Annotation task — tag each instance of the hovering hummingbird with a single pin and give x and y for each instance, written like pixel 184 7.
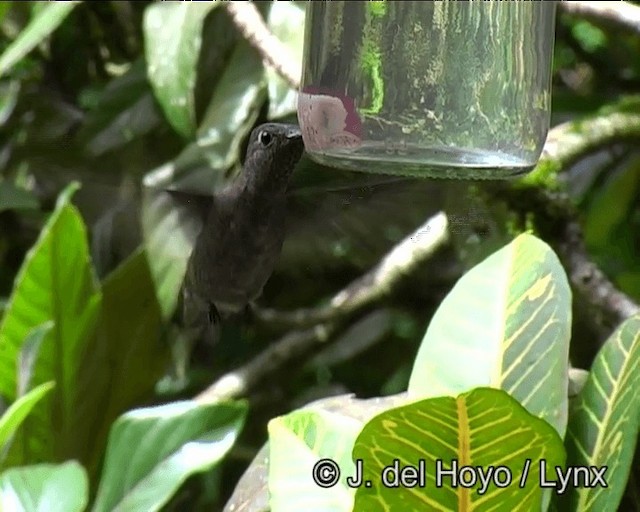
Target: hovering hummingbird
pixel 243 232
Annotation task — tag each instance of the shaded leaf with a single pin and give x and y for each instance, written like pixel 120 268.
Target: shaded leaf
pixel 9 91
pixel 16 198
pixel 29 355
pixel 170 229
pixel 161 447
pixel 121 368
pixel 125 110
pixel 56 283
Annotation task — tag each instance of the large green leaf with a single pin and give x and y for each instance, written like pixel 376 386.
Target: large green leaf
pixel 56 283
pixel 152 451
pixel 485 430
pixel 19 410
pixel 604 421
pixel 47 19
pixel 44 487
pixel 506 324
pixel 173 36
pixel 127 358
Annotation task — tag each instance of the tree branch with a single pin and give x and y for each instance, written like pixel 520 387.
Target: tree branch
pixel 623 15
pixel 372 286
pixel 247 19
pixel 569 142
pixel 404 257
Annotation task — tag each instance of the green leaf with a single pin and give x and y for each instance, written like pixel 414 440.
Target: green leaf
pixel 56 283
pixel 234 107
pixel 152 451
pixel 507 321
pixel 128 338
pixel 605 420
pixel 19 410
pixel 173 36
pixel 44 487
pixel 48 18
pixel 483 430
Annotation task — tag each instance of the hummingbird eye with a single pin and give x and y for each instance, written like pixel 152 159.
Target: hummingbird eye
pixel 264 138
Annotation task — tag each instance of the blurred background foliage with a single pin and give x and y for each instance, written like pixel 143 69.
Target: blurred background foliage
pixel 131 99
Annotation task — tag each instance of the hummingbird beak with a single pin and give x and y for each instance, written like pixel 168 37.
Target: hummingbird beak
pixel 293 132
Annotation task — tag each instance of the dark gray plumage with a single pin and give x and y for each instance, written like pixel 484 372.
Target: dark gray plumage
pixel 241 239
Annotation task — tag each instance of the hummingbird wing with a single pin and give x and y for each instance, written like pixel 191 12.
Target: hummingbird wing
pixel 354 218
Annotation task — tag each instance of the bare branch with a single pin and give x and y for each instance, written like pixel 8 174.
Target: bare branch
pixel 403 258
pixel 247 19
pixel 372 286
pixel 291 346
pixel 569 142
pixel 623 15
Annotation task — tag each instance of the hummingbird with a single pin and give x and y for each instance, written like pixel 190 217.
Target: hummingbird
pixel 241 239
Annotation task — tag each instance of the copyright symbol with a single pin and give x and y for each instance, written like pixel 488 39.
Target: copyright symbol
pixel 326 473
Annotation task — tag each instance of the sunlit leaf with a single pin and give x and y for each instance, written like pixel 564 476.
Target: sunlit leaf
pixel 324 429
pixel 604 422
pixel 484 430
pixel 173 36
pixel 506 324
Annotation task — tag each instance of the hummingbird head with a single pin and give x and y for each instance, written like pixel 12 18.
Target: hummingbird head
pixel 273 151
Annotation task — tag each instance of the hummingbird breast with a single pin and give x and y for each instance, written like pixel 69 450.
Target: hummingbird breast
pixel 236 251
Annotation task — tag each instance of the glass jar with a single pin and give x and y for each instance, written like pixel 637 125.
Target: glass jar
pixel 440 89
